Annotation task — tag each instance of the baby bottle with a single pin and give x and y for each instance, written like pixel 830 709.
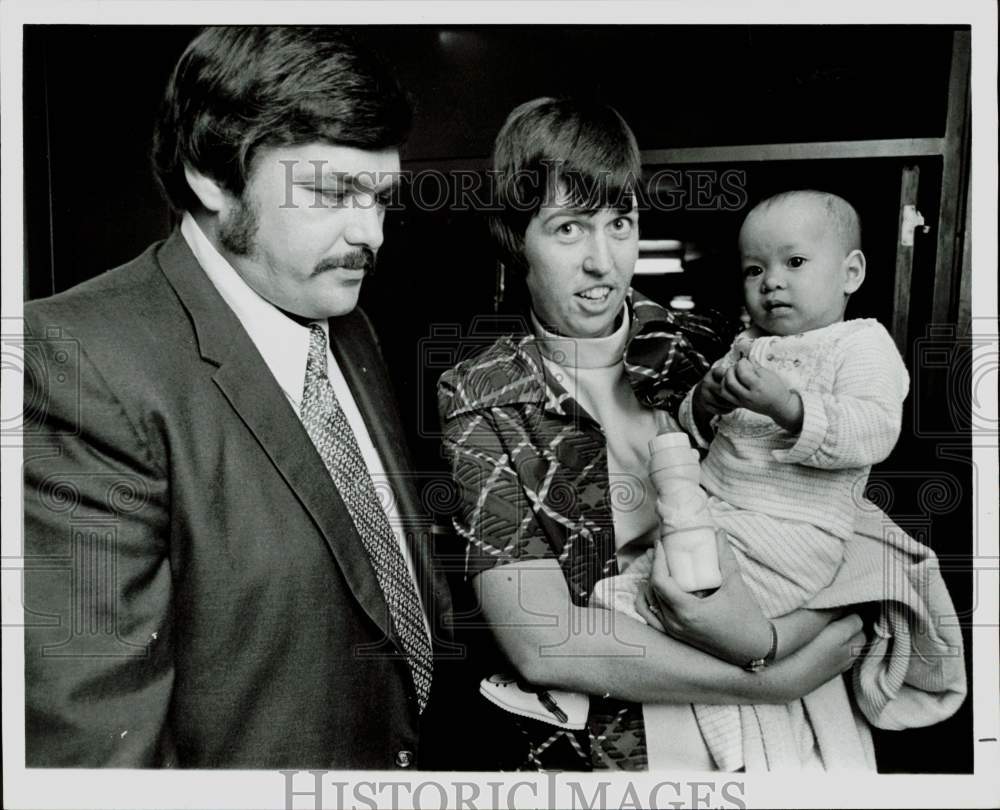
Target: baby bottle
pixel 687 530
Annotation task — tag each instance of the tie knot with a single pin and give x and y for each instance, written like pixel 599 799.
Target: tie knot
pixel 317 349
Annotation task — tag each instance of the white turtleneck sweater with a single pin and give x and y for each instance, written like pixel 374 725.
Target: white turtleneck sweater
pixel 592 370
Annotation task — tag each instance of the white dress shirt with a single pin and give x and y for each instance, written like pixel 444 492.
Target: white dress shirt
pixel 284 345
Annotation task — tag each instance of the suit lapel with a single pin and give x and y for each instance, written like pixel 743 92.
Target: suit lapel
pixel 353 345
pixel 248 385
pixel 353 348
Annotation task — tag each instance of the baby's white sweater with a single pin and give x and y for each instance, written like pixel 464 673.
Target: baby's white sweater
pixel 852 381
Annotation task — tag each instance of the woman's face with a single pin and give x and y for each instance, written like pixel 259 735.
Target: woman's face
pixel 580 265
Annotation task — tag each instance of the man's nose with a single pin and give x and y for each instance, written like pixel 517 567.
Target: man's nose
pixel 598 260
pixel 365 226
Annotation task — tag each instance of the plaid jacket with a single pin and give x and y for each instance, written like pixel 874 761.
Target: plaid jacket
pixel 531 464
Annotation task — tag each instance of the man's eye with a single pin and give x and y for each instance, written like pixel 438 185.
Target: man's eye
pixel 568 229
pixel 333 197
pixel 384 198
pixel 796 261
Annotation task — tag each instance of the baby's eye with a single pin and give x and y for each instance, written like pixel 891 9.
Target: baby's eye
pixel 796 261
pixel 751 271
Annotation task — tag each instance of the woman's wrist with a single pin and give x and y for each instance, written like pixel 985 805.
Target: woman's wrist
pixel 798 628
pixel 761 662
pixel 756 644
pixel 748 644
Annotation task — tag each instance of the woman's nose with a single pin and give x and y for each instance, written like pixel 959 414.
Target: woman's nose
pixel 598 259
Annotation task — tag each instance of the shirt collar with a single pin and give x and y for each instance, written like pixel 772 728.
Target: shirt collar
pixel 584 353
pixel 660 362
pixel 282 343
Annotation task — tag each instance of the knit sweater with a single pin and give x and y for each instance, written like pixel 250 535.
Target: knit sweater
pixel 852 382
pixel 786 502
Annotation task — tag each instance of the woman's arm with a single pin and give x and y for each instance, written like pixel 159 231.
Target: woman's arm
pixel 728 624
pixel 551 642
pixel 798 628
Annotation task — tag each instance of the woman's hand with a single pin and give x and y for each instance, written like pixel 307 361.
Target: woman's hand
pixel 728 624
pixel 828 655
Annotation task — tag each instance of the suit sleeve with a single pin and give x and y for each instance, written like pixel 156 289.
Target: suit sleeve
pixel 97 579
pixel 857 424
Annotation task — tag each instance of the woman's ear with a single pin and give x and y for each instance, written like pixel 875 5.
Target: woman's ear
pixel 210 194
pixel 854 267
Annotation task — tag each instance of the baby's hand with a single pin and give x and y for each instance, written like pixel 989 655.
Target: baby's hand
pixel 762 391
pixel 709 395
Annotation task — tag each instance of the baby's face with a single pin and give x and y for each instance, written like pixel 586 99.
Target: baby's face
pixel 796 274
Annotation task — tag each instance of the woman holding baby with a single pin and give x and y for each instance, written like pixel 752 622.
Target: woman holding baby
pixel 548 436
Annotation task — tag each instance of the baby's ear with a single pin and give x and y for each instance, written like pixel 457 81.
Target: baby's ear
pixel 854 267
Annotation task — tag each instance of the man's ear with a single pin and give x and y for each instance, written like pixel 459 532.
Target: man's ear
pixel 208 191
pixel 854 267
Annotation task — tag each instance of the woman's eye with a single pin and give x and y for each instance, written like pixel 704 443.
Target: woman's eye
pixel 622 225
pixel 796 261
pixel 568 229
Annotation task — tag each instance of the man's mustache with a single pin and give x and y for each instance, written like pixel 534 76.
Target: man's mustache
pixel 361 259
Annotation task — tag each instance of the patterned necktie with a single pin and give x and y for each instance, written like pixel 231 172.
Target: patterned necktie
pixel 330 432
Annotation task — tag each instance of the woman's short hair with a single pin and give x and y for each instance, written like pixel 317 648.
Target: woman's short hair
pixel 548 148
pixel 238 89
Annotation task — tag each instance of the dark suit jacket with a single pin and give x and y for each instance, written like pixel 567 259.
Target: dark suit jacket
pixel 196 593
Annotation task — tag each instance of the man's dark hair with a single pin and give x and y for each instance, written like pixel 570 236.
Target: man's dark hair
pixel 238 89
pixel 548 148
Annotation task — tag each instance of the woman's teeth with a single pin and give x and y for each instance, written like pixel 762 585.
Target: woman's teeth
pixel 595 293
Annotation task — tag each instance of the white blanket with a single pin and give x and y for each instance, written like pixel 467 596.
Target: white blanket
pixel 911 674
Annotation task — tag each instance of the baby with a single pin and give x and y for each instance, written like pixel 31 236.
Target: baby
pixel 803 404
pixel 801 407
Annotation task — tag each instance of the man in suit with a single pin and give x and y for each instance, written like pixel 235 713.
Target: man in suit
pixel 217 503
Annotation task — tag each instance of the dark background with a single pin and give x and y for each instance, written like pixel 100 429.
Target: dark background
pixel 91 93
